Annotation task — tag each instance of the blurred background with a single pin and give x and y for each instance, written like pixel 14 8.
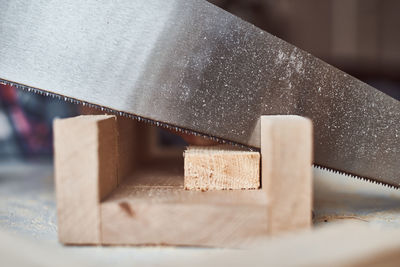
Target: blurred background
pixel 361 37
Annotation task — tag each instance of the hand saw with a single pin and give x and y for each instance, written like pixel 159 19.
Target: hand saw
pixel 190 66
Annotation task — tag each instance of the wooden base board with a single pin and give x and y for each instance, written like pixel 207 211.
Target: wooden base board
pixel 153 208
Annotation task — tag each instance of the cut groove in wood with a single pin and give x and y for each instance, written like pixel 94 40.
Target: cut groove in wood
pixel 221 168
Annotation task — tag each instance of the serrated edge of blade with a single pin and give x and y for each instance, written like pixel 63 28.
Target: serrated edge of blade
pixel 72 100
pixel 354 176
pixel 172 127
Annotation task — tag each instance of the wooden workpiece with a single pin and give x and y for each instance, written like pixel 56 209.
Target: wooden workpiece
pixel 104 196
pixel 85 159
pixel 221 168
pixel 155 209
pixel 286 149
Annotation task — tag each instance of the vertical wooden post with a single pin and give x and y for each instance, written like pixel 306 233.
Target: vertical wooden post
pixel 85 160
pixel 286 176
pixel 127 147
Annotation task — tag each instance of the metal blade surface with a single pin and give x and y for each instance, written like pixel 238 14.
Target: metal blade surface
pixel 192 65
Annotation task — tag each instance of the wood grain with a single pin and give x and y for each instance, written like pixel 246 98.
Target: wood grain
pixel 127 147
pixel 100 203
pixel 85 159
pixel 221 168
pixel 156 210
pixel 286 149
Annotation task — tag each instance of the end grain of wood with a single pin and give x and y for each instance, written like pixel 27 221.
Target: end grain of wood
pixel 221 168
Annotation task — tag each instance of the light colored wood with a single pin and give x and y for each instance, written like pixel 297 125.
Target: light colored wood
pixel 286 149
pixel 85 158
pixel 127 147
pixel 128 133
pixel 96 205
pixel 152 208
pixel 221 168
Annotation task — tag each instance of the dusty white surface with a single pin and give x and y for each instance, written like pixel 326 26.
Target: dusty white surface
pixel 28 228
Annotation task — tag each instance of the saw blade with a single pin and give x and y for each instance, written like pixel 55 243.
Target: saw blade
pixel 191 65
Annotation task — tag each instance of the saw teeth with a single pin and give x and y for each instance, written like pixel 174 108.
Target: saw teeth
pixel 172 127
pixel 120 113
pixel 370 180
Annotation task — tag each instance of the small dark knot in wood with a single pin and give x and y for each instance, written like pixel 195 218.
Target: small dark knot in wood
pixel 127 209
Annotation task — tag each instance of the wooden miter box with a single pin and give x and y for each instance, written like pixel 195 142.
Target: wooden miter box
pixel 111 191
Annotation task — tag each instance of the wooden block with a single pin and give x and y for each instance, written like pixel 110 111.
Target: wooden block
pixel 153 208
pixel 85 158
pixel 96 205
pixel 221 167
pixel 286 151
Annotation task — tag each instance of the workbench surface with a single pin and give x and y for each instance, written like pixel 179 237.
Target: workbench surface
pixel 28 217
